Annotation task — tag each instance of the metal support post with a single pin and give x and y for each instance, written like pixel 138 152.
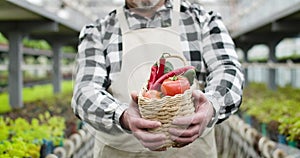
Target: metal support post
pixel 245 50
pixel 294 76
pixel 15 79
pixel 57 74
pixel 272 59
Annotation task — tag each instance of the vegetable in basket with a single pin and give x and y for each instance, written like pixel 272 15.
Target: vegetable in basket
pixel 178 84
pixel 175 85
pixel 176 72
pixel 152 94
pixel 190 75
pixel 158 70
pixel 161 69
pixel 152 78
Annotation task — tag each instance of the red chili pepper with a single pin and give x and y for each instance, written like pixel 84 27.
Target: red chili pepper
pixel 152 76
pixel 162 62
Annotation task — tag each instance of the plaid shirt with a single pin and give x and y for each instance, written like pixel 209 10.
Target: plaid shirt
pixel 206 45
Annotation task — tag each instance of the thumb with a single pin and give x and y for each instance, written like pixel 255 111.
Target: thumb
pixel 134 96
pixel 199 97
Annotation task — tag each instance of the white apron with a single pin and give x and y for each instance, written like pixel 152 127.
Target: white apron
pixel 141 48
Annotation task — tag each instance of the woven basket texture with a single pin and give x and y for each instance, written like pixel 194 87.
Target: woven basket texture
pixel 165 110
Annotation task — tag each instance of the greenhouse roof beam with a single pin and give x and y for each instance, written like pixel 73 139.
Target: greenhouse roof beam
pixel 28 26
pixel 30 11
pixel 65 39
pixel 286 26
pixel 264 37
pixel 265 16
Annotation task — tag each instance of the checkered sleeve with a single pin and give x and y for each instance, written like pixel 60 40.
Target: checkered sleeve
pixel 91 102
pixel 225 78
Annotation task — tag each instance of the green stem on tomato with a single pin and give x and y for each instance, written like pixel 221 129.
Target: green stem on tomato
pixel 174 78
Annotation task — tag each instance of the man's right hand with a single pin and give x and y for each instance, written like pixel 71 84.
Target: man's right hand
pixel 132 120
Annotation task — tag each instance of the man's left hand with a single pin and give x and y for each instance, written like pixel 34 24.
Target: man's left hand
pixel 195 123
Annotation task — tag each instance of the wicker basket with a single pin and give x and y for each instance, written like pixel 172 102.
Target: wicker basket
pixel 165 110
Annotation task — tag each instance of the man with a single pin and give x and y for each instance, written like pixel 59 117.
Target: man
pixel 112 56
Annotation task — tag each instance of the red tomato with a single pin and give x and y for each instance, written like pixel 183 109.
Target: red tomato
pixel 175 85
pixel 152 94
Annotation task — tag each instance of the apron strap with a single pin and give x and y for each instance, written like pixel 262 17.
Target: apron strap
pixel 175 17
pixel 176 5
pixel 122 20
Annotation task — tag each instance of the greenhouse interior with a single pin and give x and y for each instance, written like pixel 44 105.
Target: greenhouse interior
pixel 38 49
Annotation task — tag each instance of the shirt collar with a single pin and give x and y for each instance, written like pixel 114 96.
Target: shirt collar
pixel 160 19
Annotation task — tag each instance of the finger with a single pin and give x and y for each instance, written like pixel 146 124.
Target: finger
pixel 147 137
pixel 196 118
pixel 150 140
pixel 184 140
pixel 199 98
pixel 202 105
pixel 189 132
pixel 202 111
pixel 183 121
pixel 134 96
pixel 141 123
pixel 133 111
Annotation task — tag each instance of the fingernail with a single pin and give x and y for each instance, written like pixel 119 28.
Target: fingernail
pixel 158 124
pixel 173 138
pixel 175 121
pixel 164 136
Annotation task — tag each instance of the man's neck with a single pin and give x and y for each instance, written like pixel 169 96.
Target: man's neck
pixel 147 12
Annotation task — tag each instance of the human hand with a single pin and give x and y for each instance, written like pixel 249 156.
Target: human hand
pixel 132 120
pixel 195 123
